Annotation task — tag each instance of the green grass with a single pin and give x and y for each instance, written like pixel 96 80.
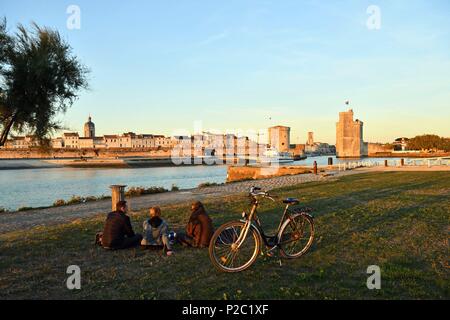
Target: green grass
pixel 398 221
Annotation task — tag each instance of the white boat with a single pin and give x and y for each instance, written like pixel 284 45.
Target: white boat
pixel 271 155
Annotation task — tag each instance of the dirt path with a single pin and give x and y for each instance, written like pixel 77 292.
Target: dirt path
pixel 58 215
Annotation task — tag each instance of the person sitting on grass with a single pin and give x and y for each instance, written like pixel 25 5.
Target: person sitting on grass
pixel 199 229
pixel 118 232
pixel 156 232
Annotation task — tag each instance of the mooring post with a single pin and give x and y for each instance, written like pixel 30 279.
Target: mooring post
pixel 117 194
pixel 330 161
pixel 385 163
pixel 402 162
pixel 315 167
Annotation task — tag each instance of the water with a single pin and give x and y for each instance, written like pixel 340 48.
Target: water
pixel 41 184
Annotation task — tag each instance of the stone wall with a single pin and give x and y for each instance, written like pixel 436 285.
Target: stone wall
pixel 36 153
pixel 237 173
pixel 375 148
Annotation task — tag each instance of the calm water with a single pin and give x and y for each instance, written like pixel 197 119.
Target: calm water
pixel 42 185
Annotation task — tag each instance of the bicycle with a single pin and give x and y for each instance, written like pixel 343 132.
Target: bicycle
pixel 235 245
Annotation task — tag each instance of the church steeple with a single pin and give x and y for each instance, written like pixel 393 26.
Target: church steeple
pixel 89 128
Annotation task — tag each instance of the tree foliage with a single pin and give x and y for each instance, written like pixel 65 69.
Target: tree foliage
pixel 429 142
pixel 39 78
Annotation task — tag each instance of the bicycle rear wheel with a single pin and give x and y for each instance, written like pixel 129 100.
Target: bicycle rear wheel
pixel 224 253
pixel 297 236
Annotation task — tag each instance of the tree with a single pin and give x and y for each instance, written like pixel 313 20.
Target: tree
pixel 39 78
pixel 429 142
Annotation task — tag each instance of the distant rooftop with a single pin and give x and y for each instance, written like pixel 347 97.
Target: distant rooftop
pixel 276 127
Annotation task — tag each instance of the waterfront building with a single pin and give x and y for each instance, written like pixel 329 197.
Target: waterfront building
pixel 162 141
pixel 71 140
pixel 297 150
pixel 279 138
pixel 19 143
pixel 379 148
pixel 142 141
pixel 99 143
pixel 221 144
pixel 85 143
pixel 57 143
pixel 349 137
pixel 9 144
pixel 111 140
pixel 401 144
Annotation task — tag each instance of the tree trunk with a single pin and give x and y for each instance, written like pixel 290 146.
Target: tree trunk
pixel 6 130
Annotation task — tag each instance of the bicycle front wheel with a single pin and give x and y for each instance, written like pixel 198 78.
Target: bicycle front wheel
pixel 224 252
pixel 297 236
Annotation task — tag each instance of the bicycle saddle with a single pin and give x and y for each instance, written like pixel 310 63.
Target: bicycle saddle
pixel 291 201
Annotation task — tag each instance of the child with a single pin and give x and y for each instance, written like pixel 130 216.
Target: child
pixel 156 231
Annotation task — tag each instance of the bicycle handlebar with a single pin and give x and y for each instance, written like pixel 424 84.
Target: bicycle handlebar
pixel 257 192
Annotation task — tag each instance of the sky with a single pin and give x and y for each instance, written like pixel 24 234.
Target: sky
pixel 164 66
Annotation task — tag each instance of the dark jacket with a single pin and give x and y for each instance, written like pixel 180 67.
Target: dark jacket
pixel 117 227
pixel 200 227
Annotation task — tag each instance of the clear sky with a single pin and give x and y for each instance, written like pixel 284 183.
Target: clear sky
pixel 158 66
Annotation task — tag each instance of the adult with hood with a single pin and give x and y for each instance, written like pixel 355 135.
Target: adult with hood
pixel 199 229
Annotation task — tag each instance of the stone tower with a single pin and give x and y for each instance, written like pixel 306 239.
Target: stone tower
pixel 349 137
pixel 310 141
pixel 89 129
pixel 279 138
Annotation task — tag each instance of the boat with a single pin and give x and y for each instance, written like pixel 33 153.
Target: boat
pixel 272 155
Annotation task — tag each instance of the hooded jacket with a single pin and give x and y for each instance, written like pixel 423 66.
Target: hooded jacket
pixel 200 226
pixel 156 232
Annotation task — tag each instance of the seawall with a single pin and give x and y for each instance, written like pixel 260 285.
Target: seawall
pixel 239 173
pixel 37 153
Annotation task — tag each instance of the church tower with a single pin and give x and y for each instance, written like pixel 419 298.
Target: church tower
pixel 89 129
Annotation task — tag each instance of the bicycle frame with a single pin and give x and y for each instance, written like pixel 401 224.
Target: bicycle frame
pixel 252 221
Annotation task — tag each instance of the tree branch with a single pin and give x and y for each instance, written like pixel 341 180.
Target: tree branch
pixel 6 129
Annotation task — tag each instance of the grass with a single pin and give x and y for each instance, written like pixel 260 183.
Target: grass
pixel 398 221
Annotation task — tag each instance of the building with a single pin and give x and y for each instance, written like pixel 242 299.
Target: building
pixel 219 144
pixel 89 129
pixel 161 141
pixel 57 143
pixel 297 150
pixel 379 148
pixel 401 144
pixel 318 148
pixel 111 141
pixel 310 141
pixel 349 137
pixel 279 138
pixel 71 140
pixel 85 143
